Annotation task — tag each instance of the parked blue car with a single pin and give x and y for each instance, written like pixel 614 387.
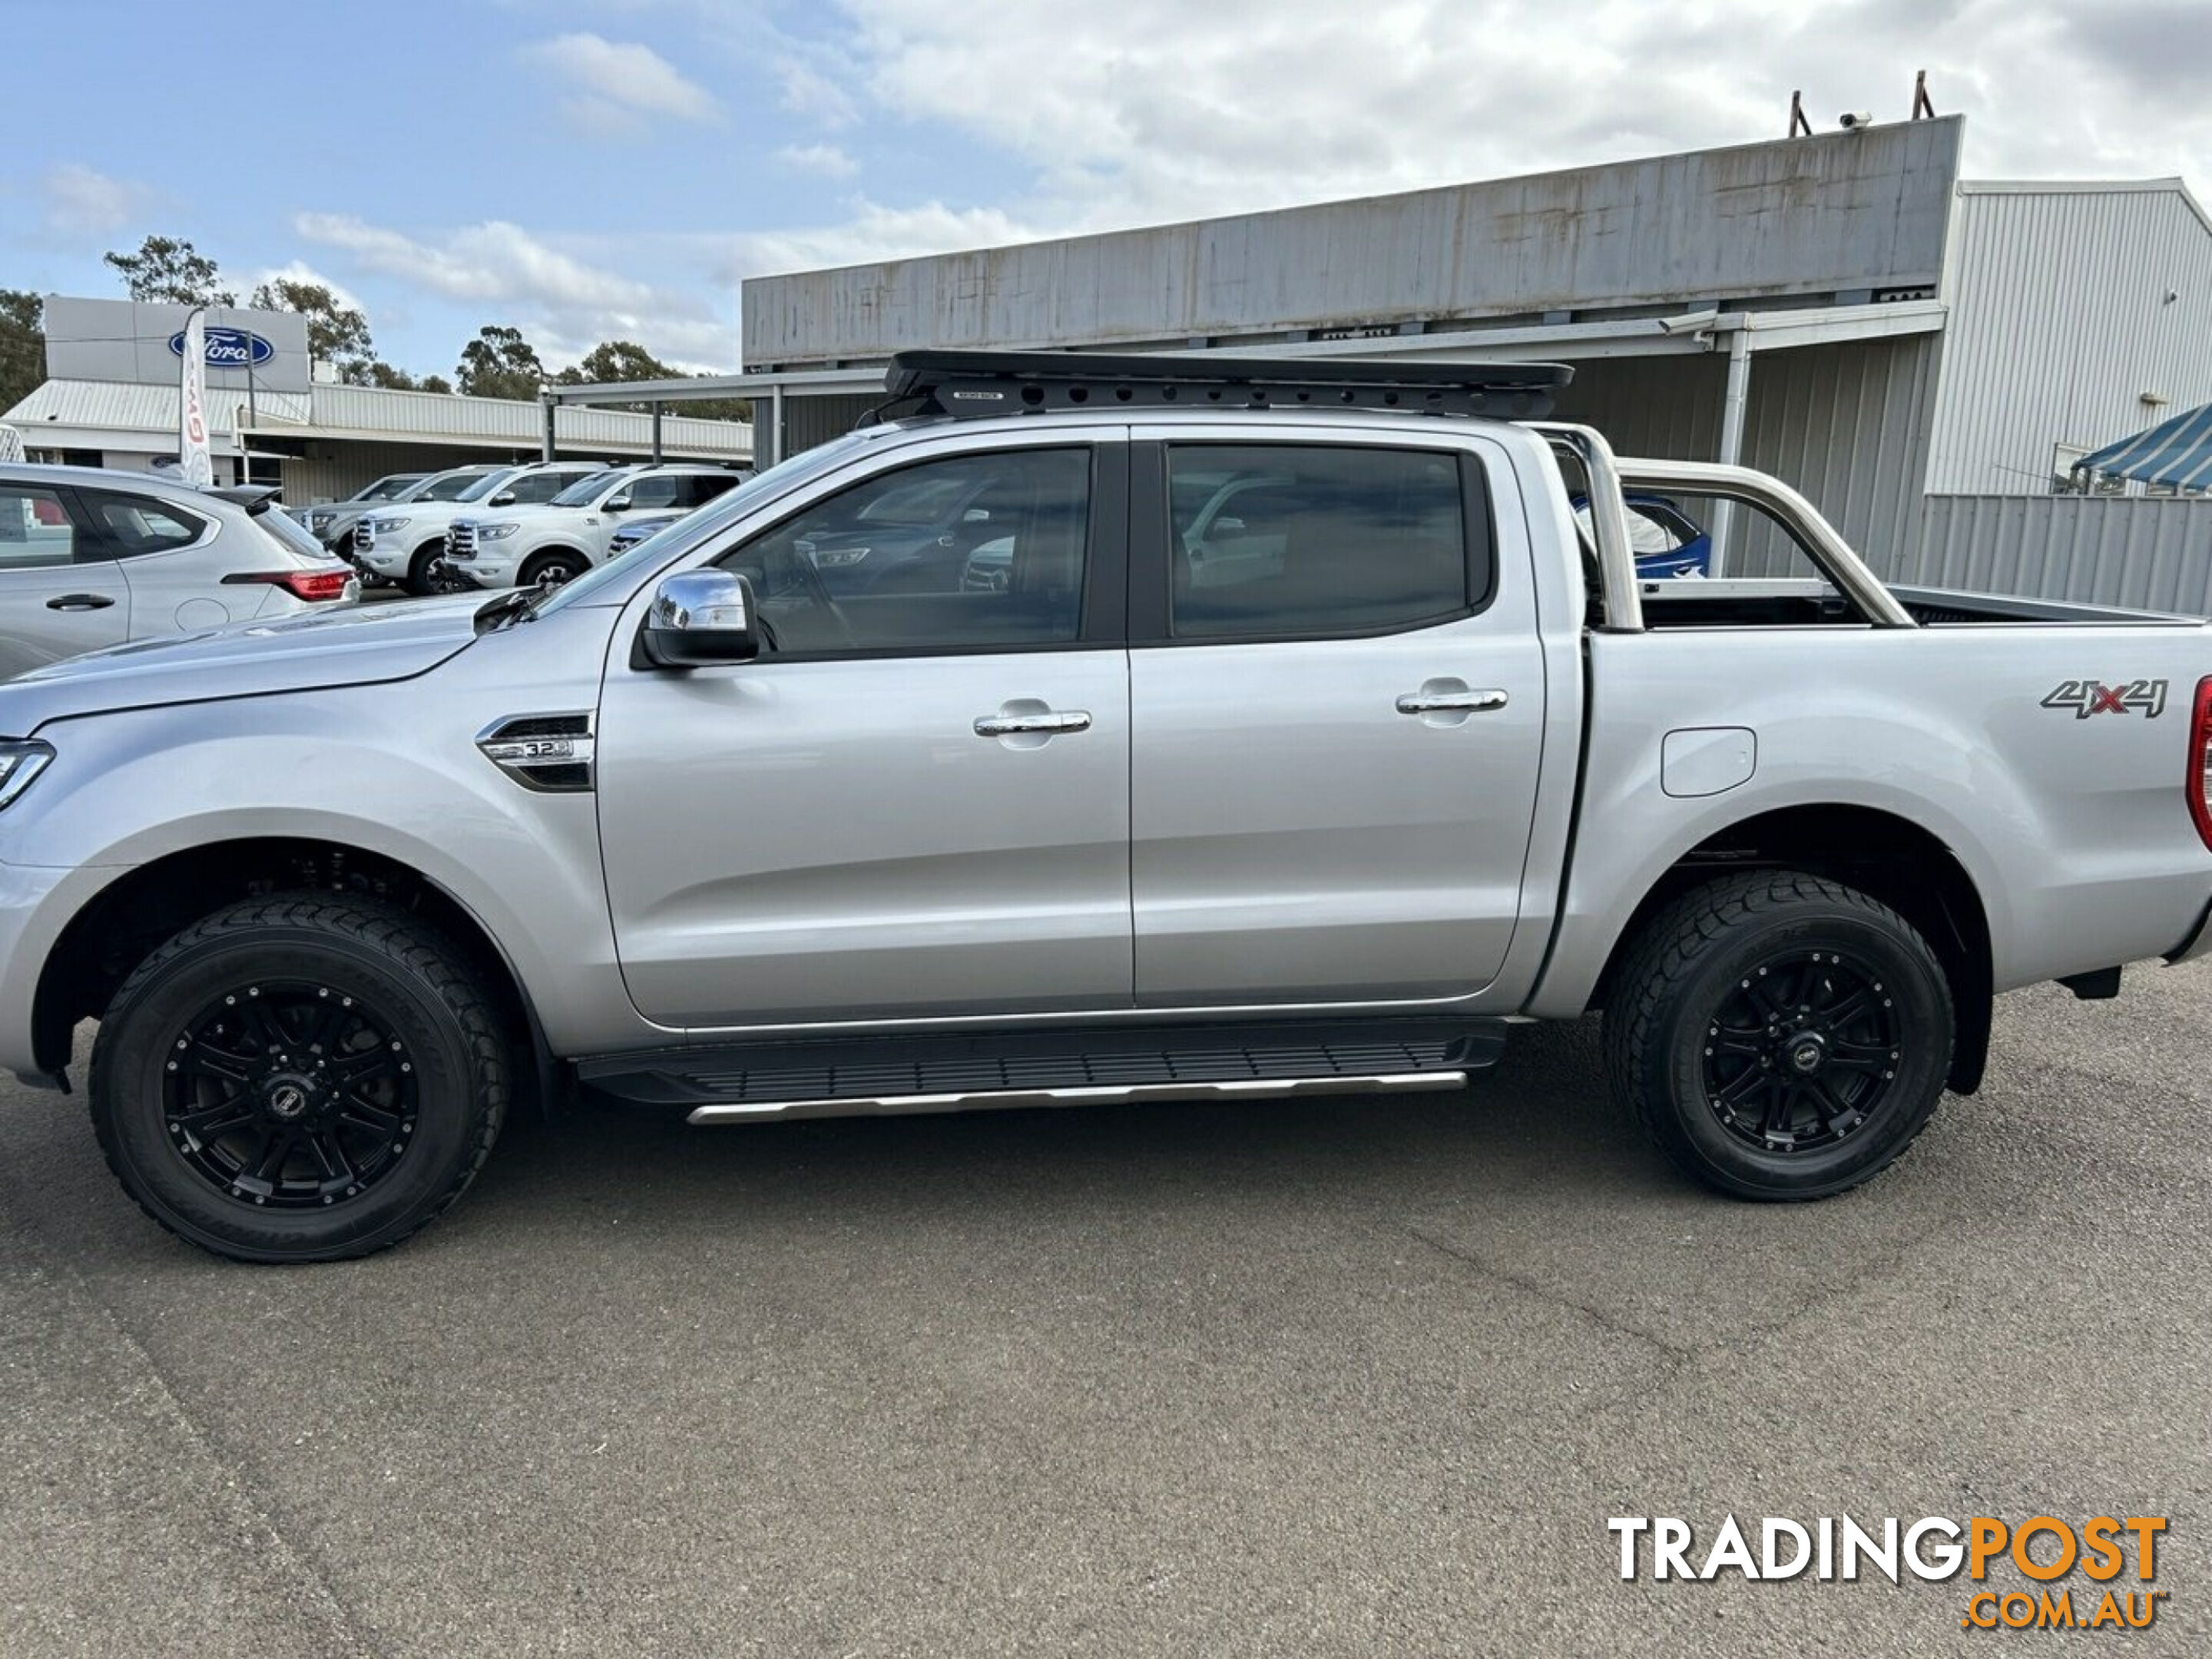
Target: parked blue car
pixel 1666 542
pixel 635 531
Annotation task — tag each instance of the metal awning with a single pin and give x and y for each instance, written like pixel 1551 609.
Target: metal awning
pixel 2176 452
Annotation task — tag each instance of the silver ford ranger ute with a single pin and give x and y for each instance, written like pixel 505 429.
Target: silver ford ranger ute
pixel 1094 728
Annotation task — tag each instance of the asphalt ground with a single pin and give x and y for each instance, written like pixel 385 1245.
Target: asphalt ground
pixel 1342 1377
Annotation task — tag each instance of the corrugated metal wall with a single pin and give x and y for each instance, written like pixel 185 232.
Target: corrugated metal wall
pixel 811 420
pixel 2152 554
pixel 2059 322
pixel 1824 214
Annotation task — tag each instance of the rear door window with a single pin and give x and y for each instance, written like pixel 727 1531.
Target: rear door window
pixel 658 491
pixel 702 486
pixel 1291 540
pixel 130 526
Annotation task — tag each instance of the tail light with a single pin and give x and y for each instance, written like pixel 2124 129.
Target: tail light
pixel 310 585
pixel 2199 785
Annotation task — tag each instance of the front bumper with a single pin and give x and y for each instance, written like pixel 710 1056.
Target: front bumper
pixel 494 572
pixel 386 561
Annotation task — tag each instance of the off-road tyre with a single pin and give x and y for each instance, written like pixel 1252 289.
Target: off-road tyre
pixel 406 1012
pixel 1715 1018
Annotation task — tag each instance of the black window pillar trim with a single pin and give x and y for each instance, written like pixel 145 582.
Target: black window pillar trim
pixel 1107 559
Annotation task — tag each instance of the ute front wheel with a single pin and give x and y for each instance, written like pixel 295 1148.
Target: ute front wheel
pixel 299 1079
pixel 1780 1036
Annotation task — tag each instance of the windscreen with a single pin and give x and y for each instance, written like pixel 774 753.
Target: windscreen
pixel 446 487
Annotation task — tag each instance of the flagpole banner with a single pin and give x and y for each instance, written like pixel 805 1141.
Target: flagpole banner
pixel 192 457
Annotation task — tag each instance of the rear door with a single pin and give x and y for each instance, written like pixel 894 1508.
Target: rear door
pixel 1336 713
pixel 173 561
pixel 59 596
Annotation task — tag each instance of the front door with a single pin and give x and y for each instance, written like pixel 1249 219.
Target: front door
pixel 916 802
pixel 61 592
pixel 1337 707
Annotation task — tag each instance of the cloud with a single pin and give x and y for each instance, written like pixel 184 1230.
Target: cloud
pixel 812 95
pixel 80 200
pixel 1155 110
pixel 826 160
pixel 566 304
pixel 619 86
pixel 872 232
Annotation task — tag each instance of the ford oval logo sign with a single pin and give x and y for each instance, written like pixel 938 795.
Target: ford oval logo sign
pixel 229 348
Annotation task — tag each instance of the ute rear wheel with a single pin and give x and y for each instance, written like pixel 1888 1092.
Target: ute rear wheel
pixel 1780 1036
pixel 299 1079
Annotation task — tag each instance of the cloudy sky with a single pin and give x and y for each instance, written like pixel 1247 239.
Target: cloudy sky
pixel 588 169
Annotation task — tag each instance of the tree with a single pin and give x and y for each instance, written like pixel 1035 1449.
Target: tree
pixel 377 372
pixel 337 334
pixel 174 271
pixel 500 363
pixel 614 361
pixel 22 346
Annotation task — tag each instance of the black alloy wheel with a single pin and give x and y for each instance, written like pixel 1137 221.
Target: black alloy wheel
pixel 1779 1034
pixel 291 1094
pixel 1802 1052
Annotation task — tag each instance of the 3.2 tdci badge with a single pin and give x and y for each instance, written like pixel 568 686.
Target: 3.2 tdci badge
pixel 2087 698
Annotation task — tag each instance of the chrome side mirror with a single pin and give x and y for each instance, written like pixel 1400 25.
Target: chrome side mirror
pixel 505 498
pixel 617 503
pixel 698 619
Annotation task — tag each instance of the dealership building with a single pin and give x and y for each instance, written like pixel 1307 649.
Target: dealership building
pixel 110 399
pixel 1924 356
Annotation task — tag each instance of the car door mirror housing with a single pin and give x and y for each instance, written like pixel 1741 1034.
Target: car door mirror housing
pixel 618 503
pixel 698 619
pixel 505 498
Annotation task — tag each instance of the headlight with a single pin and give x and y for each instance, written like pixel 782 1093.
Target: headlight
pixel 829 558
pixel 386 526
pixel 20 762
pixel 495 532
pixel 320 521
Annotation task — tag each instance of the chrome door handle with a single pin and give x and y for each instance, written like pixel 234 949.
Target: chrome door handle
pixel 79 602
pixel 1011 726
pixel 1442 702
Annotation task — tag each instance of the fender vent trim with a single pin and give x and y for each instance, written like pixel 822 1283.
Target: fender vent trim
pixel 552 754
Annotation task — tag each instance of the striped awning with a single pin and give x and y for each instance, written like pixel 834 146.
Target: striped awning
pixel 2177 453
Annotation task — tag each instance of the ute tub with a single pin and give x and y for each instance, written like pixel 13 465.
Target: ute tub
pixel 1748 602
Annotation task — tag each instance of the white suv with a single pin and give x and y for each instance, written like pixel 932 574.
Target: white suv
pixel 545 546
pixel 402 545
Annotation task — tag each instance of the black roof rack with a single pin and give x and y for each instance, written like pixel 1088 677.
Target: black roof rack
pixel 964 384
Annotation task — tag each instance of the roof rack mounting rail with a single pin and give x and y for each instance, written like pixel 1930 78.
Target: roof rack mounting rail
pixel 965 385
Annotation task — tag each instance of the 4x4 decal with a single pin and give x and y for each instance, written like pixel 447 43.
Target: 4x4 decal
pixel 2087 698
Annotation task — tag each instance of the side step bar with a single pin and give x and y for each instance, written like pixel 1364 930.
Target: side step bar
pixel 980 1070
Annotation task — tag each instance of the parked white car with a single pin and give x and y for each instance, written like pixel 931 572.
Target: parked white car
pixel 327 521
pixel 402 545
pixel 91 558
pixel 545 546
